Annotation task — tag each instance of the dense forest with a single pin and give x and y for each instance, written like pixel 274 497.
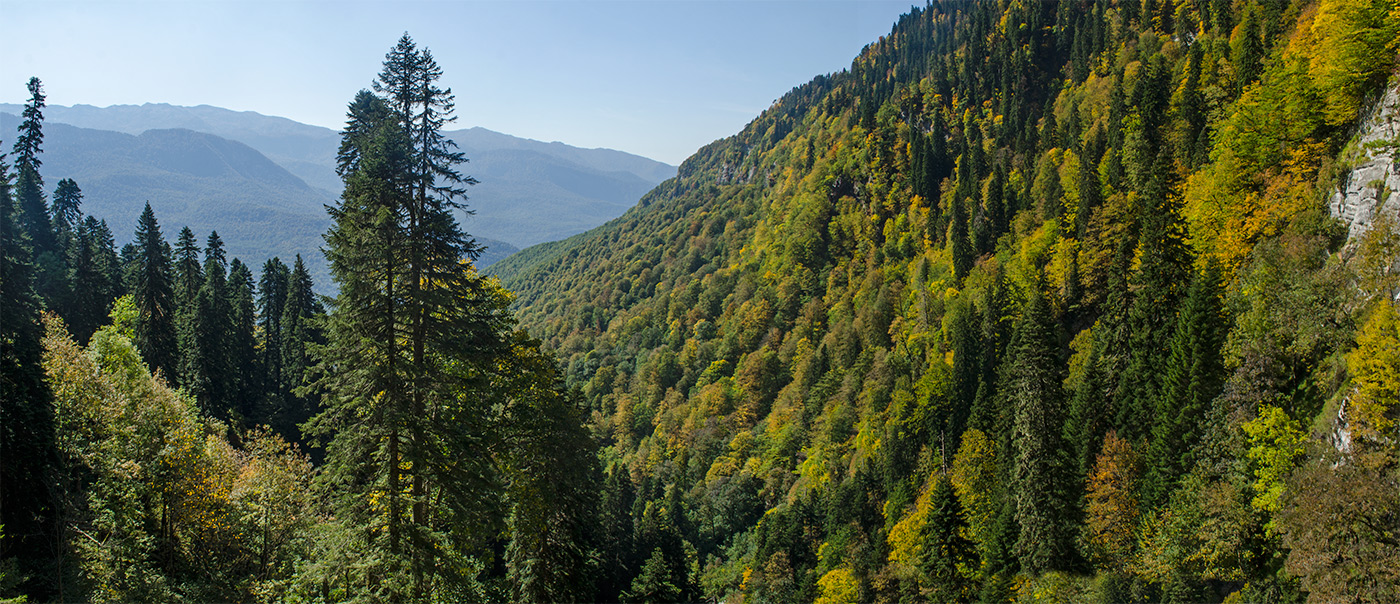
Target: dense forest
pixel 1035 302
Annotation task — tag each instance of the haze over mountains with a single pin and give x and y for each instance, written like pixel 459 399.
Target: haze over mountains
pixel 261 181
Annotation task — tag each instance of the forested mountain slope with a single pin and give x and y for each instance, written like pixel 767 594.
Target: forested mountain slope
pixel 1035 301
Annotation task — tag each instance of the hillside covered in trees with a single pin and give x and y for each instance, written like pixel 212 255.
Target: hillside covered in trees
pixel 1036 301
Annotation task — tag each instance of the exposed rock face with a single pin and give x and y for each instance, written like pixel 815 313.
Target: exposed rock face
pixel 1373 185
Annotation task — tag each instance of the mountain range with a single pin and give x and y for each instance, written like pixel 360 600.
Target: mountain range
pixel 262 181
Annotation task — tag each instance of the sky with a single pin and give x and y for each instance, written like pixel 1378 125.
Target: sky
pixel 655 78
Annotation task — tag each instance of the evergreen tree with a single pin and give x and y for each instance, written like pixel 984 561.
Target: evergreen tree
pixel 617 545
pixel 1195 375
pixel 205 369
pixel 300 331
pixel 94 264
pixel 29 185
pixel 411 323
pixel 1247 49
pixel 26 414
pixel 950 557
pixel 1088 417
pixel 967 369
pixel 155 304
pixel 272 299
pixel 959 245
pixel 67 205
pixel 1045 541
pixel 189 272
pixel 1164 264
pixel 242 349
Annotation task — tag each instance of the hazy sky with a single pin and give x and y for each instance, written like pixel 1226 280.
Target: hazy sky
pixel 656 78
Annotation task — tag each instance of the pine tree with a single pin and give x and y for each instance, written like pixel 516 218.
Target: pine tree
pixel 1045 541
pixel 155 304
pixel 1195 375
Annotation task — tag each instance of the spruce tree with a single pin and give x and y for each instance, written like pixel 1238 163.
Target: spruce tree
pixel 1046 541
pixel 155 304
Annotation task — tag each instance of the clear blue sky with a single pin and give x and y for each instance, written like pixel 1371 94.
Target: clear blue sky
pixel 658 79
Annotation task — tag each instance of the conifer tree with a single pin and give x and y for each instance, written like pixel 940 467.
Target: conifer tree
pixel 94 265
pixel 1088 418
pixel 67 205
pixel 155 304
pixel 206 369
pixel 411 321
pixel 1194 376
pixel 1164 260
pixel 967 369
pixel 959 243
pixel 299 331
pixel 189 272
pixel 29 185
pixel 26 415
pixel 272 299
pixel 242 352
pixel 949 556
pixel 1247 49
pixel 1045 541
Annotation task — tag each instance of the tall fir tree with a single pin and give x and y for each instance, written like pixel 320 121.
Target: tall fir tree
pixel 29 184
pixel 1164 264
pixel 272 299
pixel 155 303
pixel 26 413
pixel 950 557
pixel 1194 376
pixel 244 386
pixel 1046 537
pixel 300 330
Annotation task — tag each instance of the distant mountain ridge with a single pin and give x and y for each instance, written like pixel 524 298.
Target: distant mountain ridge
pixel 530 191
